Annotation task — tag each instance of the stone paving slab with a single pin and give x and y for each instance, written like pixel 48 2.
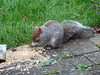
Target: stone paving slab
pixel 80 46
pixel 58 52
pixel 80 72
pixel 96 70
pixel 12 72
pixel 32 71
pixel 63 67
pixel 96 39
pixel 80 60
pixel 94 57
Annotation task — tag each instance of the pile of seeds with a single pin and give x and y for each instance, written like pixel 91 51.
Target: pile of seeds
pixel 20 58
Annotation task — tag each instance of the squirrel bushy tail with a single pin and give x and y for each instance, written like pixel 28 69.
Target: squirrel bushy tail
pixel 73 29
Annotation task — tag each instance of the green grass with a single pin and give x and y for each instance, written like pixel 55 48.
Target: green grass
pixel 16 31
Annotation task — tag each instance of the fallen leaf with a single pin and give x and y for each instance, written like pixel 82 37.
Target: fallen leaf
pixel 25 18
pixel 95 29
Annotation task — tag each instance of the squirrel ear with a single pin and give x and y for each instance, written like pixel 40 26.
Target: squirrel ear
pixel 35 26
pixel 39 30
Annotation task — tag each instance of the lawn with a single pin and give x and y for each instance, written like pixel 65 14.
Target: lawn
pixel 18 17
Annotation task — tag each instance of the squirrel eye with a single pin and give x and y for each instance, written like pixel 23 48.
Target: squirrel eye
pixel 35 35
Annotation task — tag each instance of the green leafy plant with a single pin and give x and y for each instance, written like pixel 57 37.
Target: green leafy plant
pixel 41 62
pixel 88 69
pixel 63 56
pixel 56 72
pixel 94 64
pixel 83 67
pixel 47 63
pixel 97 46
pixel 48 73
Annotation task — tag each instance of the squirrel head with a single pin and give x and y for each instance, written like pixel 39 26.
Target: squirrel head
pixel 36 34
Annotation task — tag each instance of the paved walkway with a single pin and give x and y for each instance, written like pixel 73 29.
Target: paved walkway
pixel 79 52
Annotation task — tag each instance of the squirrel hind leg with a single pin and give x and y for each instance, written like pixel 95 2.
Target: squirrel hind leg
pixel 67 36
pixel 53 44
pixel 56 43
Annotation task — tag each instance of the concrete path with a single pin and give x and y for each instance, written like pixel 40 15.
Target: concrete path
pixel 79 52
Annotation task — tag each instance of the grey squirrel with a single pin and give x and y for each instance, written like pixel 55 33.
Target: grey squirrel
pixel 53 34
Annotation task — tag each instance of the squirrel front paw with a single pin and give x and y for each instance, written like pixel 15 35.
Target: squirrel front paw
pixel 35 44
pixel 32 44
pixel 48 47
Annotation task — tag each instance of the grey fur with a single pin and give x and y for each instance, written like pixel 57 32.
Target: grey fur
pixel 54 34
pixel 75 29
